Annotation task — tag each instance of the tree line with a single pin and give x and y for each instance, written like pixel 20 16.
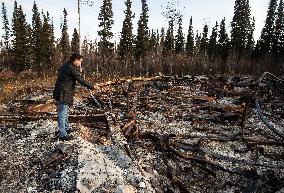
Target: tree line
pixel 149 51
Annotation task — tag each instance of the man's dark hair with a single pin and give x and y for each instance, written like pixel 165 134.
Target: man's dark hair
pixel 75 56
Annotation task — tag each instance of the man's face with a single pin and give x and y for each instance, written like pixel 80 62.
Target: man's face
pixel 78 62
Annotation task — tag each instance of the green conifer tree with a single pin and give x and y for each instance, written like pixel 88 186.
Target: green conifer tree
pixel 223 42
pixel 64 41
pixel 204 42
pixel 37 47
pixel 125 47
pixel 162 39
pixel 158 38
pixel 142 38
pixel 153 41
pixel 169 39
pixel 179 41
pixel 48 47
pixel 5 27
pixel 196 50
pixel 106 47
pixel 85 47
pixel 75 42
pixel 212 46
pixel 250 40
pixel 241 29
pixel 278 40
pixel 21 40
pixel 190 40
pixel 263 47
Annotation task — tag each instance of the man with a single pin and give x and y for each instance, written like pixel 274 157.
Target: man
pixel 64 91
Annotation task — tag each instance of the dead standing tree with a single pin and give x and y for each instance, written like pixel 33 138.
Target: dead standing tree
pixel 84 2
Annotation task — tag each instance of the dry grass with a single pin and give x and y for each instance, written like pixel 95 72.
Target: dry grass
pixel 19 86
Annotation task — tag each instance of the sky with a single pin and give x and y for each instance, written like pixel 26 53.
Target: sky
pixel 202 12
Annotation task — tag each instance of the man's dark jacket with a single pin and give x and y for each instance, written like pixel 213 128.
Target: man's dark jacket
pixel 64 89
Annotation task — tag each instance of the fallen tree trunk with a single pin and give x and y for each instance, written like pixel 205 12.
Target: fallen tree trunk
pixel 44 116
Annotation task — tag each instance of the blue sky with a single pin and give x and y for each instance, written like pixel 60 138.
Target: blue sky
pixel 202 11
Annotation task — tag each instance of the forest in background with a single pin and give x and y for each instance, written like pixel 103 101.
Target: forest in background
pixel 33 47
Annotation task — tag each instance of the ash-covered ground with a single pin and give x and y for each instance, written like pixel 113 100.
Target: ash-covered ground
pixel 162 134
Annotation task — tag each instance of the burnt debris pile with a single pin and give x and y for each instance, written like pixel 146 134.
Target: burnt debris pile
pixel 161 134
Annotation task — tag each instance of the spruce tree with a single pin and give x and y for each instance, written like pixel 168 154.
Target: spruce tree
pixel 158 38
pixel 241 26
pixel 162 39
pixel 6 28
pixel 223 42
pixel 153 41
pixel 48 47
pixel 179 41
pixel 250 40
pixel 196 49
pixel 212 46
pixel 36 37
pixel 190 40
pixel 264 44
pixel 169 39
pixel 106 21
pixel 278 40
pixel 75 42
pixel 204 42
pixel 52 28
pixel 85 47
pixel 142 38
pixel 64 41
pixel 125 47
pixel 30 51
pixel 21 40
